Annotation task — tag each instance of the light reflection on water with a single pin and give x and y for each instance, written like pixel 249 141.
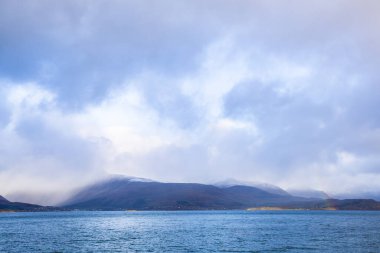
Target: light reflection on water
pixel 191 231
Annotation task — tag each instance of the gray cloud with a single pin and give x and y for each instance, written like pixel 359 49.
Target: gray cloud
pixel 283 92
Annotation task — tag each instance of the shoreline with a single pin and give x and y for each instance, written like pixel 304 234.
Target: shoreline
pixel 268 208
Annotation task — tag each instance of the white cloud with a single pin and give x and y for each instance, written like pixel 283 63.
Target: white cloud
pixel 222 67
pixel 127 121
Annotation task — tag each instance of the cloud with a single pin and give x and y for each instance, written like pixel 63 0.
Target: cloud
pixel 39 151
pixel 284 93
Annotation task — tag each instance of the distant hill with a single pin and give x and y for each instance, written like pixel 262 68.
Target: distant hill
pixel 359 195
pixel 336 204
pixel 354 204
pixel 123 193
pixel 6 205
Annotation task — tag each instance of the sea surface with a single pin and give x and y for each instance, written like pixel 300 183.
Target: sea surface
pixel 191 231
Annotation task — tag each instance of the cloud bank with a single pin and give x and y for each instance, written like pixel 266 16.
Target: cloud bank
pixel 190 91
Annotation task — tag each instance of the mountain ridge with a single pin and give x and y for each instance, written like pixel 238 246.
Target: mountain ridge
pixel 129 193
pixel 122 194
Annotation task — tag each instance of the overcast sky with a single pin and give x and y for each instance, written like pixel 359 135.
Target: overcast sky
pixel 283 92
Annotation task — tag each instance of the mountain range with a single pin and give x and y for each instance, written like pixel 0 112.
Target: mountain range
pixel 125 193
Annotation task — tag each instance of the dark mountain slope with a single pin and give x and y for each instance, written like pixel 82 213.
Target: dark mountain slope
pixel 250 196
pixel 3 200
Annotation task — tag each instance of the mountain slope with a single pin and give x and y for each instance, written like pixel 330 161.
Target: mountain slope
pixel 15 206
pixel 3 200
pixel 122 193
pixel 262 186
pixel 6 205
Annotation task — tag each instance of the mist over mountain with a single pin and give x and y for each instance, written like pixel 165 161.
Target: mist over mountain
pixel 123 193
pixel 308 193
pixel 117 192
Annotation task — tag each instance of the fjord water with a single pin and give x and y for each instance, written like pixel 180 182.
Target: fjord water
pixel 191 231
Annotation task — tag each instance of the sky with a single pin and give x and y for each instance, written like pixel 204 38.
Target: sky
pixel 282 92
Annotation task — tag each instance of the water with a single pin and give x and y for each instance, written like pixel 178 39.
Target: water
pixel 191 231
